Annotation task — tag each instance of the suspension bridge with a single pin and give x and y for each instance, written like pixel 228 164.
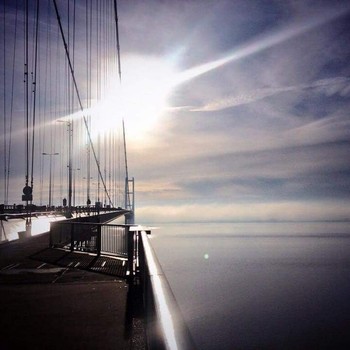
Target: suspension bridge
pixel 63 141
pixel 64 155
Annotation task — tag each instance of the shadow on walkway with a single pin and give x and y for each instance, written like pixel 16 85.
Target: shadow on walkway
pixel 54 299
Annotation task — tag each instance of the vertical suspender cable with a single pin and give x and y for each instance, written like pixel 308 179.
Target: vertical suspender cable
pixel 70 126
pixel 127 194
pixel 87 94
pixel 5 124
pixel 79 99
pixel 120 80
pixel 34 90
pixel 11 107
pixel 48 17
pixel 73 128
pixel 26 94
pixel 88 88
pixel 117 181
pixel 98 95
pixel 126 162
pixel 28 218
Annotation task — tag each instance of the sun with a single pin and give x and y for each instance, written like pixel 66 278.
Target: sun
pixel 140 100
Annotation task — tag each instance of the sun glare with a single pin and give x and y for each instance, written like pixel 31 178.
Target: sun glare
pixel 139 100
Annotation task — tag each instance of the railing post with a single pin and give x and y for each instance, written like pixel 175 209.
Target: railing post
pixel 51 239
pixel 142 264
pixel 71 237
pixel 98 240
pixel 130 235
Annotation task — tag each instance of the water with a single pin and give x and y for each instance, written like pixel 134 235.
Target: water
pixel 260 286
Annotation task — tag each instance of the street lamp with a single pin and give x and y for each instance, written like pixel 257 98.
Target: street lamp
pixel 74 185
pixel 70 152
pixel 50 181
pixel 88 200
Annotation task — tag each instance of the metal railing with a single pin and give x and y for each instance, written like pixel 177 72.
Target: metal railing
pixel 114 239
pixel 165 326
pixel 21 211
pixel 95 238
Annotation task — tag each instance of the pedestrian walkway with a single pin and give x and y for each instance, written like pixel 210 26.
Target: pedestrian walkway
pixel 45 305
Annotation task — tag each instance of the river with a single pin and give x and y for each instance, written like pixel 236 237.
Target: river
pixel 260 285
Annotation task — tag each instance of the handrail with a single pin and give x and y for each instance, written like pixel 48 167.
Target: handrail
pixel 67 222
pixel 166 327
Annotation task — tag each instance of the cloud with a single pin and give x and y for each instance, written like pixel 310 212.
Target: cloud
pixel 277 211
pixel 297 173
pixel 331 86
pixel 258 128
pixel 265 41
pixel 324 130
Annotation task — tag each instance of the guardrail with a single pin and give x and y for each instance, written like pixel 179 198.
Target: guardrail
pixel 95 238
pixel 23 209
pixel 166 328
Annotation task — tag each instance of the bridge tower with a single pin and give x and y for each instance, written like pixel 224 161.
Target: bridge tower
pixel 130 200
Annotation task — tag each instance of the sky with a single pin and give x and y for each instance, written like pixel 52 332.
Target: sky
pixel 234 110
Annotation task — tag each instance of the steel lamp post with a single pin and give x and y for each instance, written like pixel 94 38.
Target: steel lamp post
pixel 50 180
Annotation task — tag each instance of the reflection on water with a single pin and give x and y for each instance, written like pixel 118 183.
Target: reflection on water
pixel 269 285
pixel 9 229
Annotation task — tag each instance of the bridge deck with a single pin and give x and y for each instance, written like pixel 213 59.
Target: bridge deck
pixel 47 303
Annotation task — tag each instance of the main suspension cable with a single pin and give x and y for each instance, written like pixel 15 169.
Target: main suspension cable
pixel 79 100
pixel 118 44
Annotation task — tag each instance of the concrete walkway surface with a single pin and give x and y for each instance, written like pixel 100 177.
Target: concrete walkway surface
pixel 46 306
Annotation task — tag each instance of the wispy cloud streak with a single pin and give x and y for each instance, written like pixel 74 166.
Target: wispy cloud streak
pixel 264 42
pixel 330 86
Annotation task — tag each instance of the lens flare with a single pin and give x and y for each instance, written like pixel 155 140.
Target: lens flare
pixel 139 100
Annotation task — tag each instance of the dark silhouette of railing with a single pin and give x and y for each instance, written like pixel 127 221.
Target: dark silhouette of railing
pixel 94 238
pixel 165 326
